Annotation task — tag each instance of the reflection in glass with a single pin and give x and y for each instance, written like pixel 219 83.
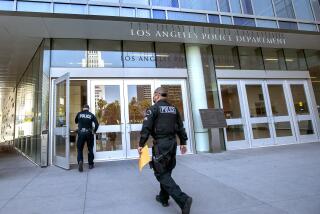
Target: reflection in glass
pixel 303 9
pixel 60 145
pixel 288 25
pixel 139 54
pixel 199 5
pixel 107 100
pixel 278 101
pixel 230 101
pixel 102 53
pixel 244 21
pixel 299 99
pixel 175 97
pixel 256 101
pixel 305 127
pixel 247 7
pixel 284 8
pixel 135 138
pixel 263 7
pixel 166 3
pixel 108 141
pixel 283 129
pixel 68 53
pixel 224 5
pixel 225 57
pixel 266 23
pixel 70 8
pixel 61 104
pixel 192 17
pixel 295 59
pixel 170 55
pixel 250 58
pixel 307 27
pixel 103 11
pixel 273 59
pixel 235 133
pixel 235 6
pixel 260 130
pixel 139 97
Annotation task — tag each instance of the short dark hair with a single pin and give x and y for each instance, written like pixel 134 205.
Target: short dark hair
pixel 86 106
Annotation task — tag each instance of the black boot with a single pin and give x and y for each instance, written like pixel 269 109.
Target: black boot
pixel 187 206
pixel 164 203
pixel 80 166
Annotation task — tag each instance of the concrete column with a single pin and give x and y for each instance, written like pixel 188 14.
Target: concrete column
pixel 198 95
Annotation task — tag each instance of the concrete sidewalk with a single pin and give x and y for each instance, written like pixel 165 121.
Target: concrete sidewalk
pixel 270 180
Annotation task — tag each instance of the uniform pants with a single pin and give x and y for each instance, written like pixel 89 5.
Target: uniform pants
pixel 168 186
pixel 84 137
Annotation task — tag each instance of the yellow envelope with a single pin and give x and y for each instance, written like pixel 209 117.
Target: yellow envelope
pixel 144 157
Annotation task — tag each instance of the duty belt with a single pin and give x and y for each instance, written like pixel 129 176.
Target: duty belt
pixel 84 130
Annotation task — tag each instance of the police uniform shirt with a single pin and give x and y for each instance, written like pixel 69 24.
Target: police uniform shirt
pixel 162 120
pixel 84 119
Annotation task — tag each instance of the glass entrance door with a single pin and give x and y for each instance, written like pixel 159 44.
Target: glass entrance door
pixel 120 106
pixel 61 122
pixel 304 118
pixel 266 112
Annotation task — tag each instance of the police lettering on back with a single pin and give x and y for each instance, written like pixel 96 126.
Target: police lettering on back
pixel 85 116
pixel 168 110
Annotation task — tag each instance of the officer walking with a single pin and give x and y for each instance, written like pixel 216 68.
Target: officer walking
pixel 163 122
pixel 85 119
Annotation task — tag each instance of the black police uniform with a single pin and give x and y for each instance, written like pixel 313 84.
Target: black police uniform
pixel 163 122
pixel 84 119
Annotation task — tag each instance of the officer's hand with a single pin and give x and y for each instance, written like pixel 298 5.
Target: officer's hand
pixel 183 149
pixel 139 150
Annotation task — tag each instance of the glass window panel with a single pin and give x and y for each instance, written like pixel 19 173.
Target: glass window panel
pixel 112 1
pixel 250 58
pixel 68 53
pixel 303 9
pixel 305 127
pixel 307 27
pixel 142 2
pixel 108 141
pixel 235 133
pixel 135 138
pixel 6 5
pixel 33 6
pixel 263 7
pixel 316 8
pixel 288 25
pixel 283 129
pixel 175 97
pixel 107 104
pixel 284 8
pixel 244 21
pixel 128 12
pixel 225 57
pixel 230 101
pixel 139 54
pixel 247 7
pixel 70 8
pixel 224 5
pixel 199 5
pixel 143 13
pixel 260 130
pixel 266 23
pixel 273 59
pixel 278 100
pixel 235 6
pixel 61 102
pixel 170 55
pixel 214 19
pixel 192 17
pixel 299 99
pixel 104 11
pixel 227 20
pixel 159 14
pixel 256 101
pixel 166 3
pixel 104 53
pixel 139 97
pixel 295 59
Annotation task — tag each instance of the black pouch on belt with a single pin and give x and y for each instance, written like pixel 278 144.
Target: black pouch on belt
pixel 159 161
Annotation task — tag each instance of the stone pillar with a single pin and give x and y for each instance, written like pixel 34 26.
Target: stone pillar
pixel 198 95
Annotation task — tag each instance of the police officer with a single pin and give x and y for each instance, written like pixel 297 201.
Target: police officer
pixel 163 122
pixel 85 119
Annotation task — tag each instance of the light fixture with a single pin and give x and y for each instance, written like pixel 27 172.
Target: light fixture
pixel 271 59
pixel 289 60
pixel 224 66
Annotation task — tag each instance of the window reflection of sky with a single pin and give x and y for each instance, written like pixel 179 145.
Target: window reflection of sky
pixel 112 93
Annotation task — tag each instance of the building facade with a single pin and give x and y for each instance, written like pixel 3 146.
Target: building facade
pixel 257 60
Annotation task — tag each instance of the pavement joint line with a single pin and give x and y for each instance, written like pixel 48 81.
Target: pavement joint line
pixel 85 194
pixel 241 192
pixel 23 188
